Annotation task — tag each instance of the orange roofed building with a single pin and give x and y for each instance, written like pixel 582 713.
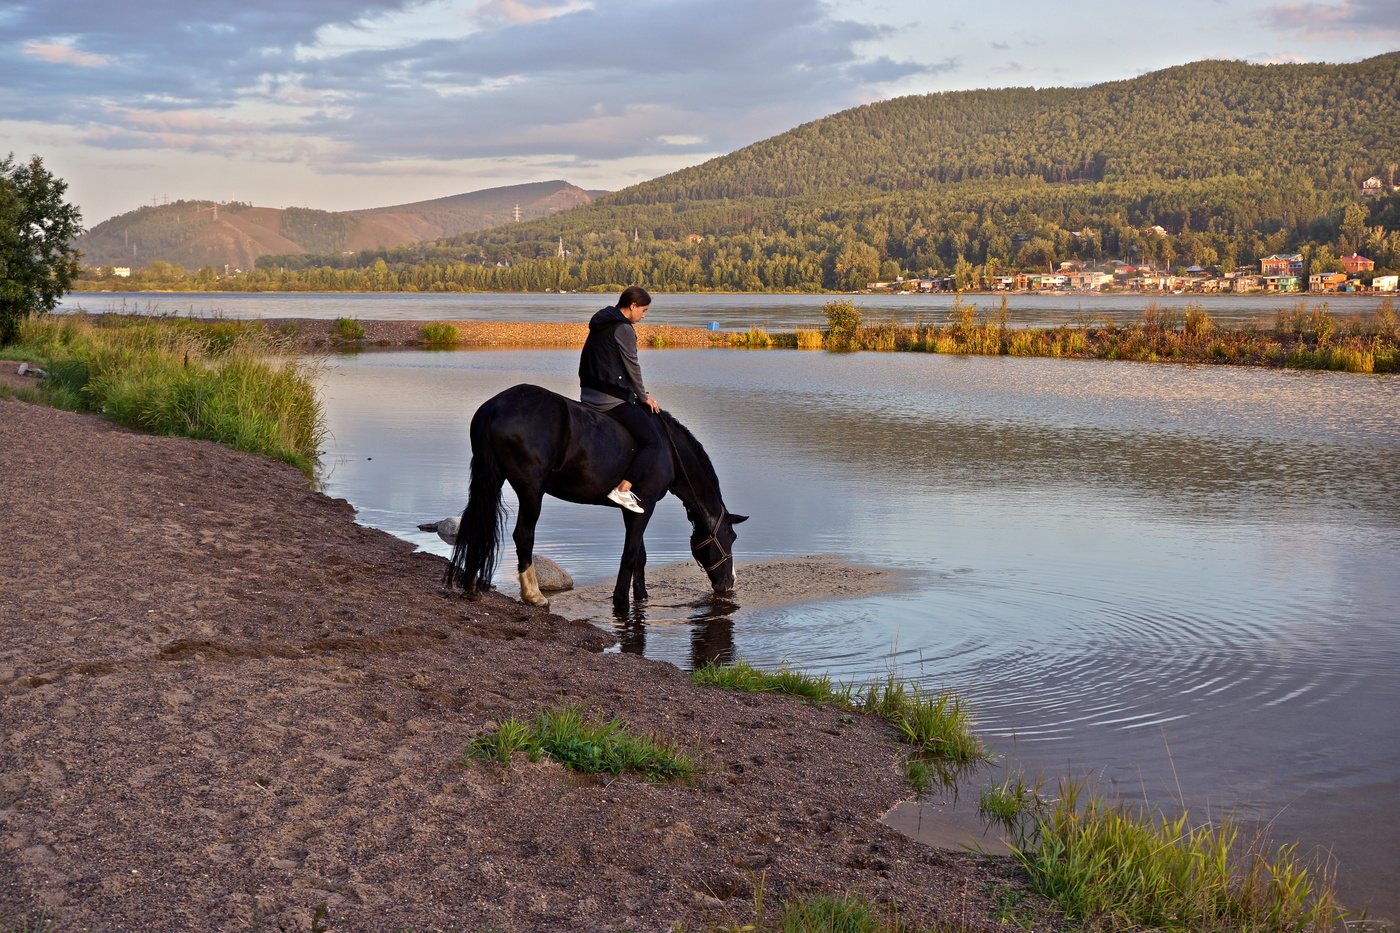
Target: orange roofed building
pixel 1354 264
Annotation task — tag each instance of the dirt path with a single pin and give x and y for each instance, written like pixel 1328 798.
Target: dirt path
pixel 224 704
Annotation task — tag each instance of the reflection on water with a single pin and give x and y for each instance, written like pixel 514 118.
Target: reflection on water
pixel 709 627
pixel 1181 579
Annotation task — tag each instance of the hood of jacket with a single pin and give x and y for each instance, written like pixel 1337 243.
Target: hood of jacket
pixel 607 317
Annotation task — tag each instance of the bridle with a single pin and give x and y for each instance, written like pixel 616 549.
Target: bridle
pixel 714 536
pixel 724 554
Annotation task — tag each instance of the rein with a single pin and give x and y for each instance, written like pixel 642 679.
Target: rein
pixel 724 555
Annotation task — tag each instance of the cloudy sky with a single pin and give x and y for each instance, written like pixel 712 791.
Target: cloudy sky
pixel 340 104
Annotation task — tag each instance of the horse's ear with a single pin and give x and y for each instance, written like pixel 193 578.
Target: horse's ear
pixel 736 519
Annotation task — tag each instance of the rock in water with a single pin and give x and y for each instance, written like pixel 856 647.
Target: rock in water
pixel 550 576
pixel 446 529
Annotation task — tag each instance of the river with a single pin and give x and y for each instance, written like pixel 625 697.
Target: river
pixel 1179 580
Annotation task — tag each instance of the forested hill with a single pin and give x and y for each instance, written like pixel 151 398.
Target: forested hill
pixel 1326 125
pixel 1232 160
pixel 202 233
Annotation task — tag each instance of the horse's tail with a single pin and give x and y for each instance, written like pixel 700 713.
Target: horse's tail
pixel 483 520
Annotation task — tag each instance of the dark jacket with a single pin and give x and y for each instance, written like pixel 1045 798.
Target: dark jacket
pixel 609 359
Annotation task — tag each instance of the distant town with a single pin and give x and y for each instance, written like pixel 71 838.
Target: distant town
pixel 1278 273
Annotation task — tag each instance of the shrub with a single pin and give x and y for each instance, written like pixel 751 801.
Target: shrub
pixel 439 332
pixel 349 328
pixel 842 321
pixel 1198 321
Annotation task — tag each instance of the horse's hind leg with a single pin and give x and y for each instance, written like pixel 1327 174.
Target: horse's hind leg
pixel 524 536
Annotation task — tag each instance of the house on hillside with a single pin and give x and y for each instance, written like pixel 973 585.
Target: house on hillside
pixel 1355 263
pixel 1280 264
pixel 1280 283
pixel 1373 186
pixel 1089 281
pixel 1327 281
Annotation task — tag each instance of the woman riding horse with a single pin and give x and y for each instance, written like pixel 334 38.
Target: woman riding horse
pixel 611 379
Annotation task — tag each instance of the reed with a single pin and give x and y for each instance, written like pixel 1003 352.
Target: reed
pixel 810 340
pixel 222 381
pixel 1138 867
pixel 752 339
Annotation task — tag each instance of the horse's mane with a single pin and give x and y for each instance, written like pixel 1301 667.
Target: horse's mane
pixel 702 458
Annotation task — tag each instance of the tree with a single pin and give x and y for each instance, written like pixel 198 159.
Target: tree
pixel 37 260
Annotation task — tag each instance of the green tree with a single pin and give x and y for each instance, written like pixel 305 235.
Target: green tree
pixel 37 260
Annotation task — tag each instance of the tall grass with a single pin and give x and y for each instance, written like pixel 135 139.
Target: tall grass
pixel 223 381
pixel 1140 867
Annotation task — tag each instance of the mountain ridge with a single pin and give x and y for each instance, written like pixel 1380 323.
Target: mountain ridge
pixel 233 235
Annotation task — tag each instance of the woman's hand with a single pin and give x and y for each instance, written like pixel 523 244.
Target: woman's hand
pixel 651 403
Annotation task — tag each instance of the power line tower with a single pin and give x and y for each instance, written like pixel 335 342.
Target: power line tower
pixel 517 212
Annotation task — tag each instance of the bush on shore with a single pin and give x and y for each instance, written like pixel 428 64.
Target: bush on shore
pixel 225 381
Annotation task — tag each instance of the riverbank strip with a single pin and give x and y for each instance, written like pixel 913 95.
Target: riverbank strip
pixel 1302 337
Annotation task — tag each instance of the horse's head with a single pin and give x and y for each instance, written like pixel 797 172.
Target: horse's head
pixel 712 544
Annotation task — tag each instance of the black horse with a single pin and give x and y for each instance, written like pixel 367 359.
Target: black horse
pixel 540 442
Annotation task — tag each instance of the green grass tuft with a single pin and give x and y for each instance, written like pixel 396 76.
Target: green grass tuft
pixel 936 724
pixel 586 745
pixel 1012 801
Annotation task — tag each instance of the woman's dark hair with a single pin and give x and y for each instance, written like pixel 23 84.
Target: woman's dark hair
pixel 633 295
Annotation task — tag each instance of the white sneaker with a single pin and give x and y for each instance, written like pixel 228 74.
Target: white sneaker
pixel 626 499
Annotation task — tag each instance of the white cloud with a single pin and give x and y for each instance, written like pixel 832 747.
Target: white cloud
pixel 62 51
pixel 1348 19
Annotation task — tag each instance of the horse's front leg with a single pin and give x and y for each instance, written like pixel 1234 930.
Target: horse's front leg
pixel 524 535
pixel 632 573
